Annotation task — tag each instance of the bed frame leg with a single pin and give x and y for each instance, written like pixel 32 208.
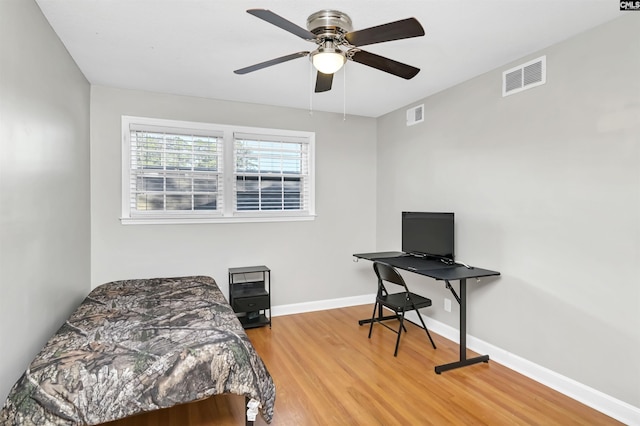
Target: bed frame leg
pixel 247 404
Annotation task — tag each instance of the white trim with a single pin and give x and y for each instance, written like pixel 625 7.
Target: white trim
pixel 612 407
pixel 321 305
pixel 619 410
pixel 217 219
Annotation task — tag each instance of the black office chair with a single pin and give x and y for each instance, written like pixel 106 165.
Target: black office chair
pixel 400 302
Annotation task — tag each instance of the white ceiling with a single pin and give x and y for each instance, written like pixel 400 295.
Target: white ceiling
pixel 191 47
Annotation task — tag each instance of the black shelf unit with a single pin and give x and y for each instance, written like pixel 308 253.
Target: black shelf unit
pixel 250 295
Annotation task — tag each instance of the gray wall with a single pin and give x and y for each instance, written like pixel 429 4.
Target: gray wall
pixel 310 261
pixel 545 185
pixel 44 185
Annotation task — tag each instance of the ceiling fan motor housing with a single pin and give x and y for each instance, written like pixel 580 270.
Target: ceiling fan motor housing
pixel 329 24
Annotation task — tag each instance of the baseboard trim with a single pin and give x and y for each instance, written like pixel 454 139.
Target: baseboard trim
pixel 612 407
pixel 321 305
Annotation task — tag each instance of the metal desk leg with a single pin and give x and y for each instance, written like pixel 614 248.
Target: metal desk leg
pixel 462 300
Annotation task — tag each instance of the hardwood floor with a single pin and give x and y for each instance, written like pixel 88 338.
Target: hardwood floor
pixel 327 372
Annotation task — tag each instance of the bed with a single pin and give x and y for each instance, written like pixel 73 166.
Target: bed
pixel 140 345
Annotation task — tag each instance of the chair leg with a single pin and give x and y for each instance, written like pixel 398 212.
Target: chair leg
pixel 426 329
pixel 399 333
pixel 400 318
pixel 372 318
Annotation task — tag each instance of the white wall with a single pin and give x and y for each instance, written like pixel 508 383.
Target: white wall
pixel 310 261
pixel 44 186
pixel 545 185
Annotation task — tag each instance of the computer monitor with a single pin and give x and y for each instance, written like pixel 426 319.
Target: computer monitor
pixel 428 234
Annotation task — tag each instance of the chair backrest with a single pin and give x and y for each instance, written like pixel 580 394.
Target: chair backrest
pixel 388 273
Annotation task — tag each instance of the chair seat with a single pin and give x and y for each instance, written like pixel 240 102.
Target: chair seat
pixel 396 301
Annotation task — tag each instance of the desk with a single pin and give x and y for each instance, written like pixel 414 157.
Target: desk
pixel 442 272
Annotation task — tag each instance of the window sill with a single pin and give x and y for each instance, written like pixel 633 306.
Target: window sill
pixel 202 220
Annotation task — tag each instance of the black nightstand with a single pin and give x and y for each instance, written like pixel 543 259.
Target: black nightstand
pixel 250 295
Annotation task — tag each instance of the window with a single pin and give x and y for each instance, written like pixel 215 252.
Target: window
pixel 271 173
pixel 183 172
pixel 174 171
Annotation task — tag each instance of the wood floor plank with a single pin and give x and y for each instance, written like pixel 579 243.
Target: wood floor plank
pixel 327 372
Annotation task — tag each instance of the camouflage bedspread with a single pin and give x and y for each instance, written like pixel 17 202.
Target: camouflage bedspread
pixel 140 345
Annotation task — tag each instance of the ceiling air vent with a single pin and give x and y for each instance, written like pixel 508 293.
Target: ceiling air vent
pixel 415 115
pixel 525 76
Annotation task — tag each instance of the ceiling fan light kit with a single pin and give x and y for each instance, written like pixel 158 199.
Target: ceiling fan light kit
pixel 332 31
pixel 328 59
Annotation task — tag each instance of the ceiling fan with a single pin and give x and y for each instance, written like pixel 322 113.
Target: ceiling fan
pixel 332 31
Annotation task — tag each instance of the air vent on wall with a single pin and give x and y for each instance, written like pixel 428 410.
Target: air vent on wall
pixel 525 76
pixel 415 115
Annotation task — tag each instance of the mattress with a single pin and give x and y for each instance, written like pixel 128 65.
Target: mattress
pixel 139 345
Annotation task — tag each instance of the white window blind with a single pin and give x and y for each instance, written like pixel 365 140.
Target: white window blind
pixel 187 172
pixel 175 172
pixel 271 173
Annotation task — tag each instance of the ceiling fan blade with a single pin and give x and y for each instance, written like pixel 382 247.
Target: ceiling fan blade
pixel 279 21
pixel 323 82
pixel 271 62
pixel 397 30
pixel 385 64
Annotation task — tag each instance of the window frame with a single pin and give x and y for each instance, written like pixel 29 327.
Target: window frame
pixel 228 213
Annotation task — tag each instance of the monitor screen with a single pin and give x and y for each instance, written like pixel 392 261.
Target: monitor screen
pixel 430 234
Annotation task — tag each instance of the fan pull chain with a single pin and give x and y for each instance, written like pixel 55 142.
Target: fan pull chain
pixel 310 88
pixel 344 93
